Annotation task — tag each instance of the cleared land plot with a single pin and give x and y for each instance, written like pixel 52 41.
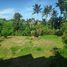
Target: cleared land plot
pixel 22 45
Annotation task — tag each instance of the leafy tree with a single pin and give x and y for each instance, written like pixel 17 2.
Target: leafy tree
pixel 16 24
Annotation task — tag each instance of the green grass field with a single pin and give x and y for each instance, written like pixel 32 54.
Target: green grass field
pixel 22 45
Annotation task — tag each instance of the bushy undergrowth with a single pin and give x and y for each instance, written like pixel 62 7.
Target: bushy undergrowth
pixel 65 38
pixel 58 33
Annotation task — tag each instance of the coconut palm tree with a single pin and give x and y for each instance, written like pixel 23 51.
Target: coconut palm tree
pixel 54 18
pixel 47 10
pixel 37 9
pixel 62 4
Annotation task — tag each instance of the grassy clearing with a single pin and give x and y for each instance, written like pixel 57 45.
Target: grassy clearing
pixel 22 45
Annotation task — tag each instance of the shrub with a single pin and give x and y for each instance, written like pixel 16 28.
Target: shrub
pixel 26 31
pixel 42 30
pixel 6 32
pixel 7 29
pixel 50 32
pixel 34 33
pixel 58 33
pixel 64 27
pixel 63 52
pixel 65 46
pixel 65 38
pixel 38 30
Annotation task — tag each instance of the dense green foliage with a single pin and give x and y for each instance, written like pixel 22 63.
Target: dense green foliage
pixel 65 38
